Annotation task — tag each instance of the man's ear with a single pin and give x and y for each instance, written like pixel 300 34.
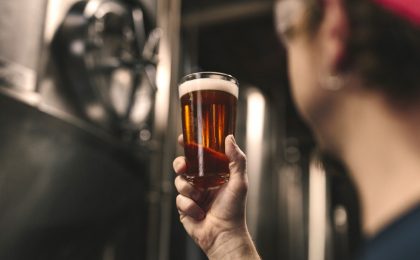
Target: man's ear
pixel 334 32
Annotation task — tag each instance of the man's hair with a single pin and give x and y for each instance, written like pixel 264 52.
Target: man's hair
pixel 383 48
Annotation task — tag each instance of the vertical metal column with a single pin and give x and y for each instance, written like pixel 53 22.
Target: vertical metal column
pixel 165 134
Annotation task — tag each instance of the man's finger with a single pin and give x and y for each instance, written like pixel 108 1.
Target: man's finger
pixel 180 165
pixel 181 140
pixel 235 155
pixel 238 180
pixel 185 188
pixel 188 207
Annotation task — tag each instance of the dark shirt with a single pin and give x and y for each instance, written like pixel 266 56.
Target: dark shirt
pixel 399 241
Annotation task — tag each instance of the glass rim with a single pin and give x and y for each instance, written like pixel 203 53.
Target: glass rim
pixel 211 75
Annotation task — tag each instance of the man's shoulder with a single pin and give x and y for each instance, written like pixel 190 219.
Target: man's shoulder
pixel 400 240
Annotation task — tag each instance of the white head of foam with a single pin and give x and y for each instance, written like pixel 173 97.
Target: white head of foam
pixel 208 84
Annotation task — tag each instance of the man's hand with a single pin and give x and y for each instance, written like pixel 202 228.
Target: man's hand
pixel 215 219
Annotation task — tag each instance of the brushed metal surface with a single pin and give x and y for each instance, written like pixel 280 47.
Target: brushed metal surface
pixel 21 33
pixel 65 193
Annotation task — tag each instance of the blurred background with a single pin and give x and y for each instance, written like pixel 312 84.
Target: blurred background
pixel 90 116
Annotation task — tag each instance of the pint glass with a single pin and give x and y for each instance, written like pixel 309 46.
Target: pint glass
pixel 208 103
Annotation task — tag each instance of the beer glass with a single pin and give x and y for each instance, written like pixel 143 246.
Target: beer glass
pixel 208 104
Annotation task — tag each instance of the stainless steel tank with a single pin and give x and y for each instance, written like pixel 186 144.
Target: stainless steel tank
pixel 77 95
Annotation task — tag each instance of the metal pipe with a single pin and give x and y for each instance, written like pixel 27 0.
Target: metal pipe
pixel 225 13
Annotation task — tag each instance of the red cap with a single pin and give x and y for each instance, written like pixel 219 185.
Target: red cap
pixel 406 9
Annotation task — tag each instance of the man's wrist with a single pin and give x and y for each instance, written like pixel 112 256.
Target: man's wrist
pixel 233 245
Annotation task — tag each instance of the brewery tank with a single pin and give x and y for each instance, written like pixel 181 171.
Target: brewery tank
pixel 76 128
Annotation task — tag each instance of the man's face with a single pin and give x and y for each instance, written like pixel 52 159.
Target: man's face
pixel 305 57
pixel 301 60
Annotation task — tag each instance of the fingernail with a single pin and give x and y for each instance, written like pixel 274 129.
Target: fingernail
pixel 232 138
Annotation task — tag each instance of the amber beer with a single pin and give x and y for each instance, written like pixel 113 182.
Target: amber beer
pixel 208 103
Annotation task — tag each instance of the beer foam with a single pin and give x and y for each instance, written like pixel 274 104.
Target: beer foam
pixel 208 84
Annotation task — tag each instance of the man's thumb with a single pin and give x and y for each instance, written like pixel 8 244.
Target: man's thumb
pixel 237 158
